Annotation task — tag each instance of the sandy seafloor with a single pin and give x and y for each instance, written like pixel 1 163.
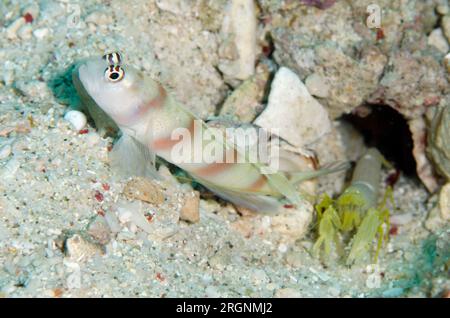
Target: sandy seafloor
pixel 49 181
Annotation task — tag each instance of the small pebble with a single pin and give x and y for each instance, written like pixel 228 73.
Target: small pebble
pixel 317 85
pixel 442 9
pixel 287 293
pixel 401 219
pixel 5 151
pixel 292 113
pixel 393 292
pixel 445 25
pixel 41 33
pixel 98 18
pixel 99 229
pixel 190 210
pixel 76 118
pixel 8 74
pixel 373 281
pixel 10 169
pixel 438 40
pixel 144 190
pixel 447 62
pixel 444 202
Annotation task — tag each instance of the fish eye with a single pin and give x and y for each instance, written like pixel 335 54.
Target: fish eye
pixel 114 73
pixel 113 58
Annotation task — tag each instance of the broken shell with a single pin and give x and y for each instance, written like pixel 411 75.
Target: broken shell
pixel 144 190
pixel 79 247
pixel 76 118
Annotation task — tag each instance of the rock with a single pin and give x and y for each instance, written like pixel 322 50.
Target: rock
pixel 424 167
pixel 246 100
pixel 79 247
pixel 76 118
pixel 293 112
pixel 292 224
pixel 445 25
pixel 190 211
pixel 239 36
pixel 439 138
pixel 447 62
pixel 317 85
pixel 442 9
pixel 444 202
pixel 434 221
pixel 143 189
pixel 437 39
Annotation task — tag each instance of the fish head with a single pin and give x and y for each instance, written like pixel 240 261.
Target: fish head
pixel 116 88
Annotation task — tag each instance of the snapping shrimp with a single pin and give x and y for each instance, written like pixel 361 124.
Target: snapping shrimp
pixel 357 210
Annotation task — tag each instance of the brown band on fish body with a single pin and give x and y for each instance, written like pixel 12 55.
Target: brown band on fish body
pixel 258 184
pixel 167 143
pixel 156 102
pixel 159 100
pixel 216 167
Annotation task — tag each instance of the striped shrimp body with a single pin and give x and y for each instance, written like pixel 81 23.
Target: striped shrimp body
pixel 147 116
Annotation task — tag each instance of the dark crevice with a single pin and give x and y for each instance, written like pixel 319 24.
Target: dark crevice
pixel 386 129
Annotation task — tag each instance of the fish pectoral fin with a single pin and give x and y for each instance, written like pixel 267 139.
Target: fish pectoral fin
pixel 279 182
pixel 131 159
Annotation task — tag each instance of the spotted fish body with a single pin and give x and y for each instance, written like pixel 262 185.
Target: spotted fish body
pixel 147 115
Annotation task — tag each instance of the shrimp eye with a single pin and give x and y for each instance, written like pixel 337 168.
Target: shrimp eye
pixel 114 73
pixel 113 58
